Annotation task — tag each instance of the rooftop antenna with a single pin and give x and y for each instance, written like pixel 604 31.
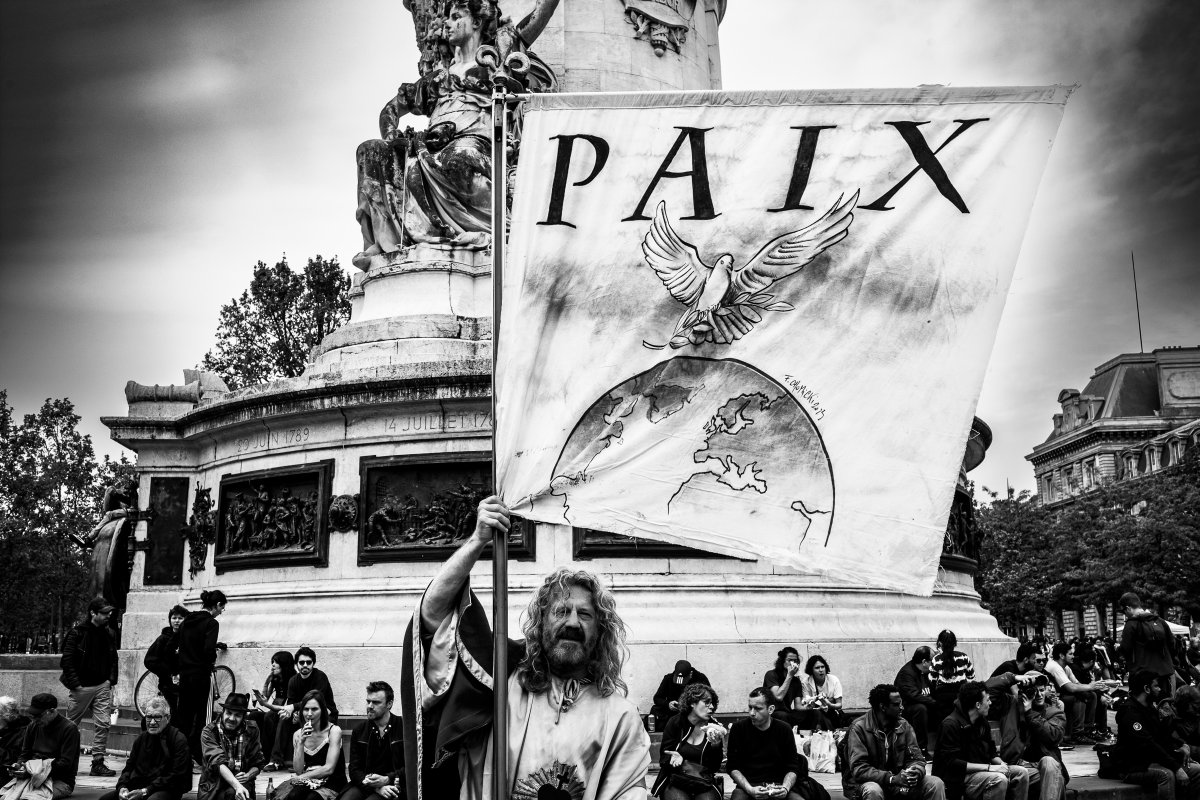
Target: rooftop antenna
pixel 1136 304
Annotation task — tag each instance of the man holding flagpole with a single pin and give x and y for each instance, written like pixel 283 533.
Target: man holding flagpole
pixel 571 731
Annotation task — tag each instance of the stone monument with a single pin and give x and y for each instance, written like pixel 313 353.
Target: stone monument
pixel 321 505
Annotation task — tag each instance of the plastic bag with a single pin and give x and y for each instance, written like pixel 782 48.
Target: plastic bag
pixel 822 752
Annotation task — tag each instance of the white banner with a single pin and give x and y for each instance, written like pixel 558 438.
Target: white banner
pixel 757 323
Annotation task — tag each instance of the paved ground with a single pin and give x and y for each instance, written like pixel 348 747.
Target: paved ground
pixel 1081 763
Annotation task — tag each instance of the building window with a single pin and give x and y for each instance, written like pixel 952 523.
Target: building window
pixel 1089 473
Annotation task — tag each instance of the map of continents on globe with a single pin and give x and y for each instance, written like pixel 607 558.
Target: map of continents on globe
pixel 708 445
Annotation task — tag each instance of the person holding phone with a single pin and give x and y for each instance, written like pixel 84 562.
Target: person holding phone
pixel 269 701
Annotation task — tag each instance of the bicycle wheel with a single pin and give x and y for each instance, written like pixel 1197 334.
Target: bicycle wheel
pixel 223 685
pixel 145 690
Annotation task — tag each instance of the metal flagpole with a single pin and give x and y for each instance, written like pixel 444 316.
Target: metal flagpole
pixel 500 99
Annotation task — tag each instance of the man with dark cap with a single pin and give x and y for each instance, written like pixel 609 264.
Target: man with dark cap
pixel 51 735
pixel 89 670
pixel 666 699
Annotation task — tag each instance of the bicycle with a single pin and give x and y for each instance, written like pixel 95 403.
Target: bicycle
pixel 221 686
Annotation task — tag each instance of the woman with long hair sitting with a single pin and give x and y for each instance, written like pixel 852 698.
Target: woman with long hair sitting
pixel 271 700
pixel 320 773
pixel 691 748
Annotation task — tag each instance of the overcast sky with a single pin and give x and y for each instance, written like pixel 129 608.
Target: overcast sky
pixel 154 150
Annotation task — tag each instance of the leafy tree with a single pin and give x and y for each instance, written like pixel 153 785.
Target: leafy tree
pixel 51 488
pixel 1142 534
pixel 1014 578
pixel 268 331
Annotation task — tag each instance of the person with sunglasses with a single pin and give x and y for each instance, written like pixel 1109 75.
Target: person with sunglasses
pixel 1027 660
pixel 159 765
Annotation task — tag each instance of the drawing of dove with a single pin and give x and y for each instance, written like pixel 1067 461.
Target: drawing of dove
pixel 724 303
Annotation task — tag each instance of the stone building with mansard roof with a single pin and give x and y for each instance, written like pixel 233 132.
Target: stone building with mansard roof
pixel 1139 413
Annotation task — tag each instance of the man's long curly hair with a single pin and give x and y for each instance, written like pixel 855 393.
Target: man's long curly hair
pixel 604 667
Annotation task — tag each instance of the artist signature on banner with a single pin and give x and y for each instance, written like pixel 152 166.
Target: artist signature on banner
pixel 807 395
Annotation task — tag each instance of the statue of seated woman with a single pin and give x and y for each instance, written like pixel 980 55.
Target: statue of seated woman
pixel 435 186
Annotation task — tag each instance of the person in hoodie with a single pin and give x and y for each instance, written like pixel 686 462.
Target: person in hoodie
pixel 197 640
pixel 89 670
pixel 916 690
pixel 159 766
pixel 1146 642
pixel 967 759
pixel 883 756
pixel 162 659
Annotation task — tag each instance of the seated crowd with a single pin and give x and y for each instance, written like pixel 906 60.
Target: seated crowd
pixel 937 731
pixel 934 732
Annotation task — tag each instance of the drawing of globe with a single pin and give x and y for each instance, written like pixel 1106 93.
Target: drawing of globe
pixel 708 445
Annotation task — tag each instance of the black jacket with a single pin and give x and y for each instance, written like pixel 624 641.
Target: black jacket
pixel 1143 739
pixel 169 762
pixel 163 656
pixel 382 755
pixel 89 657
pixel 669 690
pixel 915 688
pixel 677 729
pixel 1147 643
pixel 299 686
pixel 197 640
pixel 961 742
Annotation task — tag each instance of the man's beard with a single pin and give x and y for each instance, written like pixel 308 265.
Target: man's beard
pixel 567 654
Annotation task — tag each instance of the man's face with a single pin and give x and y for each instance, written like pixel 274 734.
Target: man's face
pixel 985 704
pixel 41 717
pixel 377 705
pixel 176 621
pixel 759 711
pixel 305 664
pixel 1039 661
pixel 156 721
pixel 891 709
pixel 923 667
pixel 791 658
pixel 100 618
pixel 569 634
pixel 1039 696
pixel 232 720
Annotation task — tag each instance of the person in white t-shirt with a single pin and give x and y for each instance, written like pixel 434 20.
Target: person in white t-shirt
pixel 821 692
pixel 1079 699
